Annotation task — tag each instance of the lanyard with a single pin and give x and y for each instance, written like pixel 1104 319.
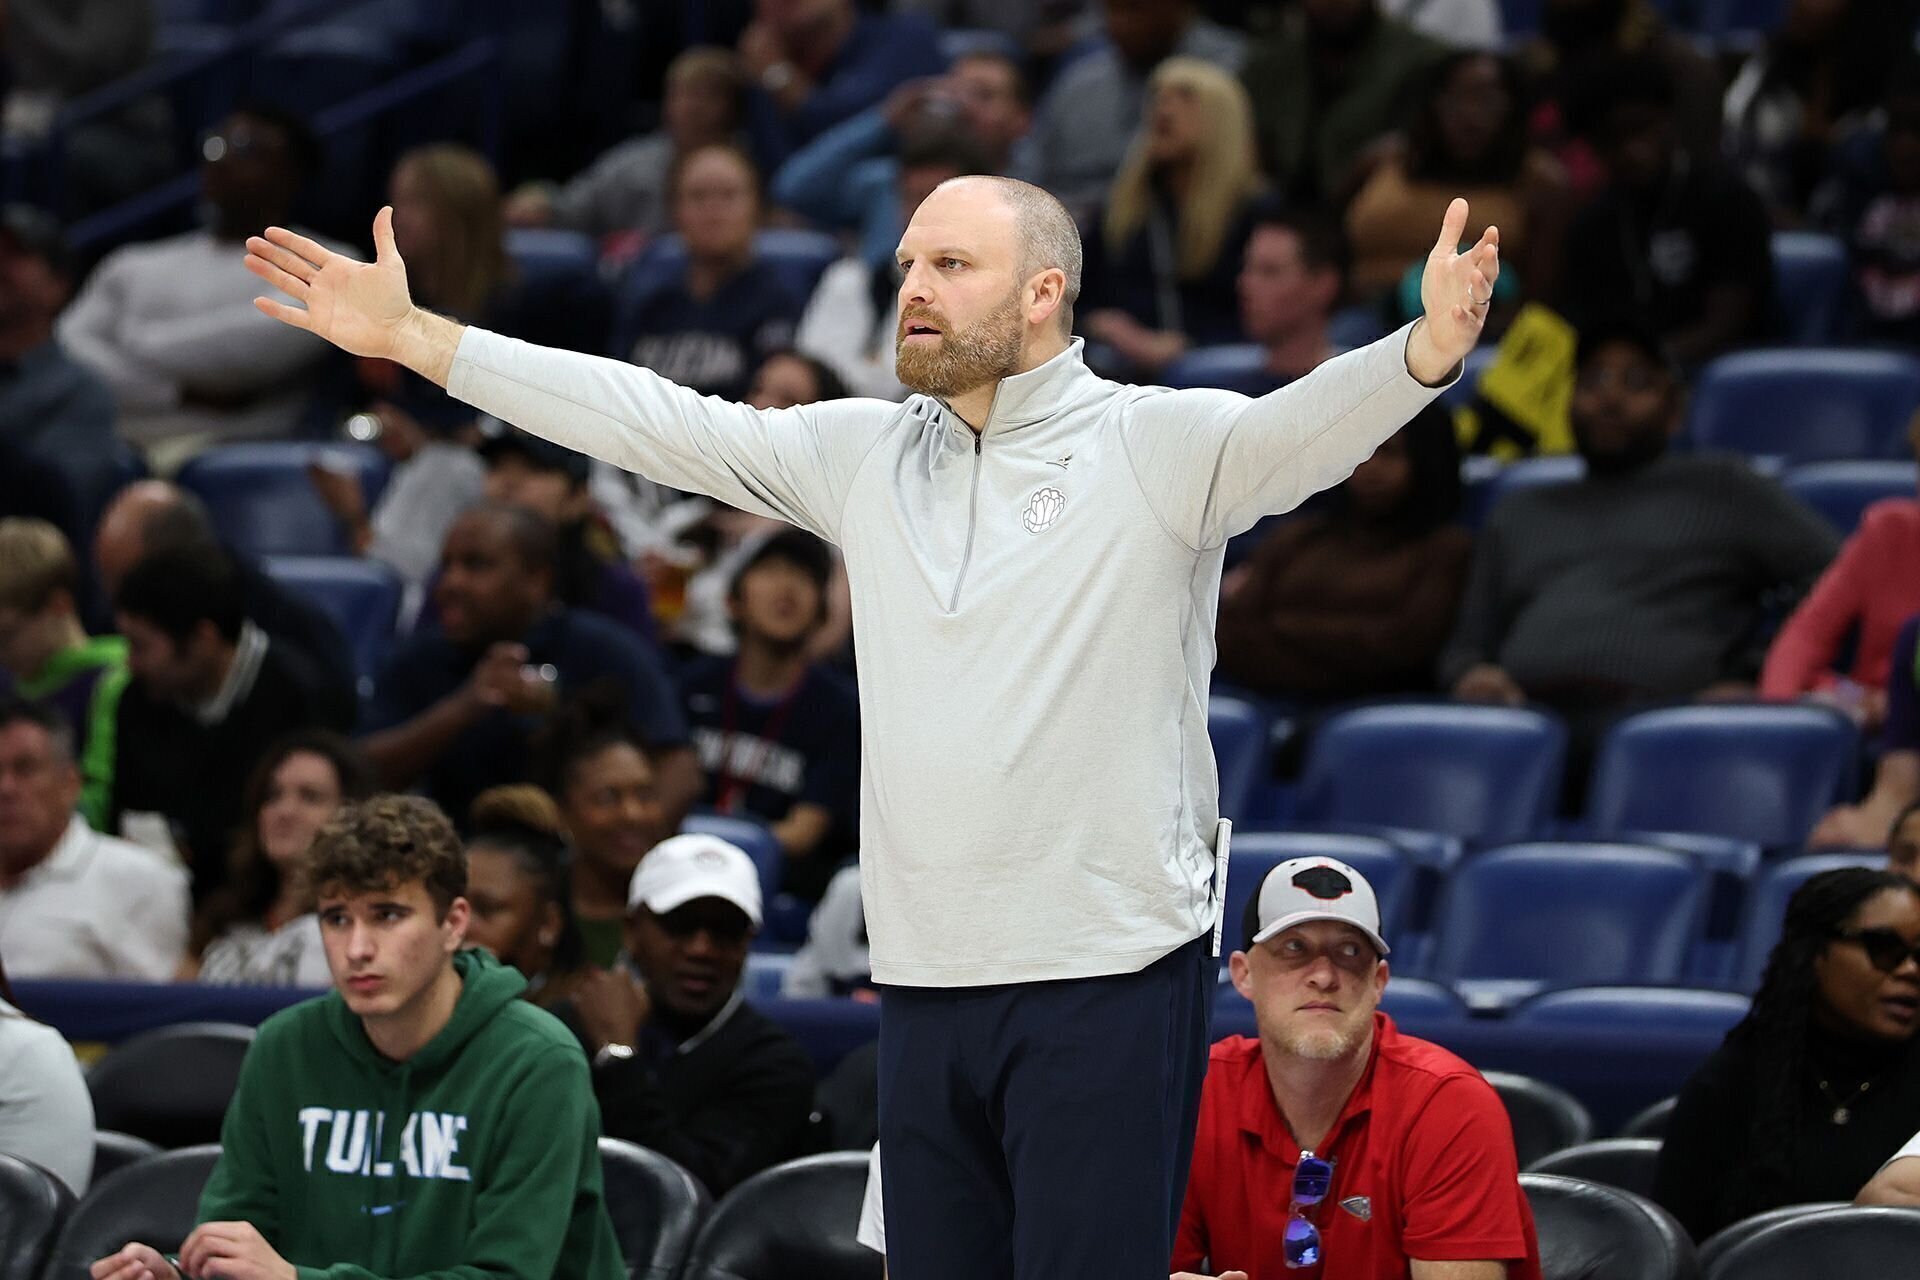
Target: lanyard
pixel 732 785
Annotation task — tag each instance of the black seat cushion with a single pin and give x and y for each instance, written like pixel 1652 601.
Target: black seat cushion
pixel 113 1152
pixel 170 1086
pixel 1627 1163
pixel 1592 1232
pixel 1848 1242
pixel 155 1202
pixel 1545 1117
pixel 795 1219
pixel 656 1206
pixel 34 1204
pixel 1728 1236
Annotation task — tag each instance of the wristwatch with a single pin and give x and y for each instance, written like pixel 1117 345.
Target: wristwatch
pixel 612 1053
pixel 777 77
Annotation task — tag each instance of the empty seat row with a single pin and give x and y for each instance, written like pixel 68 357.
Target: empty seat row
pixel 1509 922
pixel 1762 773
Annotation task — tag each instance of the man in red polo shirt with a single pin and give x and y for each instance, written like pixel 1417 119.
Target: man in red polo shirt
pixel 1423 1183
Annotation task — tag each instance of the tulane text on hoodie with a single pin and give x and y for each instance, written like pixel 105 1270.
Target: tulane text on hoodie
pixel 1034 609
pixel 476 1159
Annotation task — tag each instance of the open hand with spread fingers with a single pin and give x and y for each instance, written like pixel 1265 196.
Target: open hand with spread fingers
pixel 1455 289
pixel 361 307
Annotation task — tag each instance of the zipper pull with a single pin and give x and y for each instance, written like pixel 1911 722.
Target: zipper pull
pixel 976 445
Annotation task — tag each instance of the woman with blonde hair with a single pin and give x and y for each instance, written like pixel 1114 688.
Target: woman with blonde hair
pixel 1162 265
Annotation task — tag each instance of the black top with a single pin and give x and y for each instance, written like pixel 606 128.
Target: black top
pixel 1712 1130
pixel 585 649
pixel 763 757
pixel 306 631
pixel 167 762
pixel 735 1103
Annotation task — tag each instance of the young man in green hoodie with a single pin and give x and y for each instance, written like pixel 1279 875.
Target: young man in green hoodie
pixel 420 1121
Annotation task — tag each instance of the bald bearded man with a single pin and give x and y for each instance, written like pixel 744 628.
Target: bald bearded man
pixel 1035 556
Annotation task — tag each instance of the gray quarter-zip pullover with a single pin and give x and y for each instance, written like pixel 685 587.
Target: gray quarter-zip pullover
pixel 1034 608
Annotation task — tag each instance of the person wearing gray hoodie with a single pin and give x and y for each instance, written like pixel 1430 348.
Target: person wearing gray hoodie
pixel 1034 554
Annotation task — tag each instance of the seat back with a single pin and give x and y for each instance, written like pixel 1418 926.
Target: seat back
pixel 1809 285
pixel 752 838
pixel 1651 1122
pixel 1627 1163
pixel 1564 913
pixel 796 1219
pixel 1767 906
pixel 1727 1237
pixel 1238 733
pixel 1255 853
pixel 1842 491
pixel 34 1205
pixel 262 502
pixel 1545 1117
pixel 1478 773
pixel 113 1151
pixel 1629 1009
pixel 361 596
pixel 155 1202
pixel 1764 773
pixel 1589 1231
pixel 1850 1241
pixel 1806 404
pixel 1214 366
pixel 656 1206
pixel 171 1085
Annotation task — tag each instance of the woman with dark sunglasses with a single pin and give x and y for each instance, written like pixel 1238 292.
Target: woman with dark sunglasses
pixel 1820 1084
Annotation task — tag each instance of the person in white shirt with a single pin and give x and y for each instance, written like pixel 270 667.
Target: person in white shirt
pixel 168 323
pixel 1034 556
pixel 1898 1182
pixel 46 1114
pixel 75 903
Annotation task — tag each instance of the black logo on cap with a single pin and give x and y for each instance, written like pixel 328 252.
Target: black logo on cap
pixel 1323 882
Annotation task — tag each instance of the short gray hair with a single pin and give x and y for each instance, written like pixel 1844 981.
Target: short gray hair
pixel 1048 236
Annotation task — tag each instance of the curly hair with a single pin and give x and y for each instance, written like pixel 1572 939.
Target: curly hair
pixel 523 821
pixel 1776 1029
pixel 385 842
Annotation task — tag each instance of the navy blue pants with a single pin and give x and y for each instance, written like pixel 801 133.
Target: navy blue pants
pixel 1042 1131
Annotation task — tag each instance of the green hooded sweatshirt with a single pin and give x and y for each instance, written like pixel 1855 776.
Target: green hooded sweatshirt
pixel 476 1159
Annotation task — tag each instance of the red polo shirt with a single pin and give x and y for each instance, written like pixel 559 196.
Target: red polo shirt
pixel 1423 1168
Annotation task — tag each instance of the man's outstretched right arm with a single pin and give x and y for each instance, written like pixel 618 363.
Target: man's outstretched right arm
pixel 793 464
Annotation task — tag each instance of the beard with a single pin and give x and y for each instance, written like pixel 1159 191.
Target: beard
pixel 1322 1044
pixel 985 351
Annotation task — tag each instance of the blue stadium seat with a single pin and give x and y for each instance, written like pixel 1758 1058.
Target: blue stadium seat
pixel 752 838
pixel 1239 735
pixel 1486 492
pixel 1764 773
pixel 1352 327
pixel 262 502
pixel 1722 18
pixel 1842 491
pixel 550 254
pixel 1387 868
pixel 966 42
pixel 1477 773
pixel 1520 918
pixel 1406 1000
pixel 1809 285
pixel 308 71
pixel 765 974
pixel 361 596
pixel 1767 906
pixel 1213 366
pixel 1631 1009
pixel 1806 404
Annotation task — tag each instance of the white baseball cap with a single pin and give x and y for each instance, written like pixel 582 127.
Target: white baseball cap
pixel 1317 888
pixel 678 870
